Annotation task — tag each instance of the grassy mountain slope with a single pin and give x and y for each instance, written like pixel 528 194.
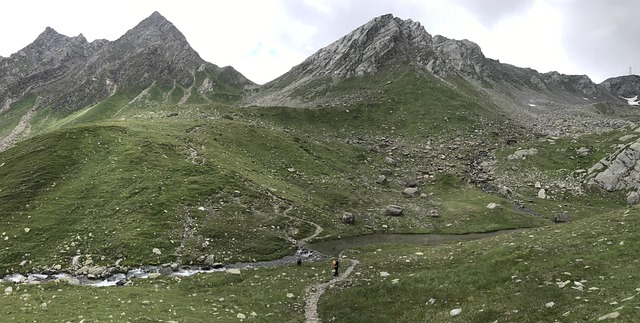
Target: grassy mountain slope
pixel 117 180
pixel 201 180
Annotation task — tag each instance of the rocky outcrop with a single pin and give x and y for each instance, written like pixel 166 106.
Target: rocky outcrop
pixel 619 172
pixel 626 86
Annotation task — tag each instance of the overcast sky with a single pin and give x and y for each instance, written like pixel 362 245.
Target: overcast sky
pixel 265 38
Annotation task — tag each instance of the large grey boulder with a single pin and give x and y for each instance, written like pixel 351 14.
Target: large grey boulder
pixel 394 210
pixel 622 170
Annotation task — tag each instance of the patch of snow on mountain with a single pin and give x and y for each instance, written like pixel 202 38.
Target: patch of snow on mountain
pixel 632 101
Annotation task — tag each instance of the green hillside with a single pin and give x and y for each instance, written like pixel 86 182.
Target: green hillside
pixel 115 181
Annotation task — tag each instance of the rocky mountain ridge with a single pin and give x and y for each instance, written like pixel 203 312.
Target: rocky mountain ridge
pixel 538 100
pixel 69 73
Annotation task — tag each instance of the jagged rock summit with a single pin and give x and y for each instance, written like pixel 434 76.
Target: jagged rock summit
pixel 69 73
pixel 382 42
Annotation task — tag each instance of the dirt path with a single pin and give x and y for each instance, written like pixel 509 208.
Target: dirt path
pixel 315 291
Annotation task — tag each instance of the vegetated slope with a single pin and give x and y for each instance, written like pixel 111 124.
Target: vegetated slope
pixel 580 271
pixel 195 181
pixel 151 64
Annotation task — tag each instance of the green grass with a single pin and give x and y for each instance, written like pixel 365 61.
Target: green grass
pixel 218 297
pixel 11 118
pixel 114 181
pixel 506 278
pixel 401 103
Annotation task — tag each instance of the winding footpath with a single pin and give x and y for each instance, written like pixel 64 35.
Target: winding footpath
pixel 315 291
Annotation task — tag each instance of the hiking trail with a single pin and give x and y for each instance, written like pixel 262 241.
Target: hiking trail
pixel 315 291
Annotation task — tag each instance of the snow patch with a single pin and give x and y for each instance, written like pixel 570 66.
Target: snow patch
pixel 532 105
pixel 632 101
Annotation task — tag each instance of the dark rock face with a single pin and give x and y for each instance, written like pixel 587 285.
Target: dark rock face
pixel 626 86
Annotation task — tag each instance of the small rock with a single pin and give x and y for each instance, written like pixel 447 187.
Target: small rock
pixel 241 316
pixel 562 218
pixel 348 218
pixel 8 290
pixel 156 251
pixel 455 312
pixel 627 138
pixel 523 153
pixel 493 206
pixel 550 305
pixel 583 151
pixel 233 271
pixel 411 192
pixel 382 180
pixel 611 315
pixel 384 274
pixel 26 230
pixel 395 281
pixel 154 275
pixel 201 208
pixel 394 210
pixel 290 295
pixel 542 194
pixel 431 301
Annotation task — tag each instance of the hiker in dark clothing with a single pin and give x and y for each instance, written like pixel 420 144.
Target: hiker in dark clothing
pixel 299 260
pixel 336 265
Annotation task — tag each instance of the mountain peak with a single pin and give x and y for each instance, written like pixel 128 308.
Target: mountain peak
pixel 155 29
pixel 50 34
pixel 371 46
pixel 155 19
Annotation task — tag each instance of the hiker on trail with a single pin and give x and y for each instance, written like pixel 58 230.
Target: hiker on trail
pixel 336 265
pixel 299 256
